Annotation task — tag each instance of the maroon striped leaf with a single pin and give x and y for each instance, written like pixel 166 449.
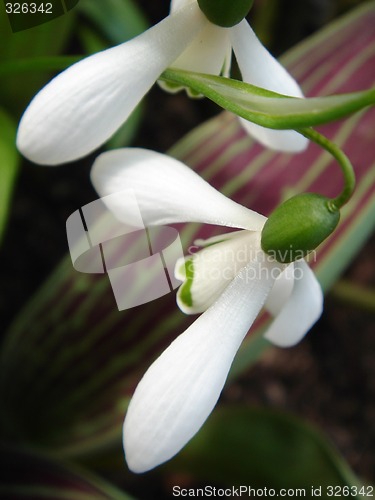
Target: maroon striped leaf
pixel 71 360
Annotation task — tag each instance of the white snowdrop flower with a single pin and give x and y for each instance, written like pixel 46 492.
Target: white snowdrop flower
pixel 83 106
pixel 230 280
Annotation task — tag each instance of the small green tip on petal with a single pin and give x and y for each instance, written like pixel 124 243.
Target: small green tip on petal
pixel 185 295
pixel 298 226
pixel 225 13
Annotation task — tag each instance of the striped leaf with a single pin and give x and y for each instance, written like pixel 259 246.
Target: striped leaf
pixel 120 21
pixel 26 474
pixel 71 360
pixel 9 164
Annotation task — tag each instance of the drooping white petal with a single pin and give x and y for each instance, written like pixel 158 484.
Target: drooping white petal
pixel 210 270
pixel 287 141
pixel 281 291
pixel 167 191
pixel 260 68
pixel 180 389
pixel 83 106
pixel 300 312
pixel 258 65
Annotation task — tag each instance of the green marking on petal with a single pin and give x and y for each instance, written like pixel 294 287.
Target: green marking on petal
pixel 185 289
pixel 211 244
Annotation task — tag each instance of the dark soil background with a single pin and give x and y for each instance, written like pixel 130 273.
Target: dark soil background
pixel 329 379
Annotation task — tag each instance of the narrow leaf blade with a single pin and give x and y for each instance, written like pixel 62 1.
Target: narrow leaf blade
pixel 9 165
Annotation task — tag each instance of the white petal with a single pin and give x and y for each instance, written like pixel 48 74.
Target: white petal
pixel 211 270
pixel 207 53
pixel 83 106
pixel 301 311
pixel 227 61
pixel 260 68
pixel 200 242
pixel 257 65
pixel 210 52
pixel 287 141
pixel 178 4
pixel 281 291
pixel 180 389
pixel 167 191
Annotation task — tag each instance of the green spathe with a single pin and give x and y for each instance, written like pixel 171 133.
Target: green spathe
pixel 298 226
pixel 225 13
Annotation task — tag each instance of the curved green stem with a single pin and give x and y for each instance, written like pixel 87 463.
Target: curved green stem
pixel 267 108
pixel 343 161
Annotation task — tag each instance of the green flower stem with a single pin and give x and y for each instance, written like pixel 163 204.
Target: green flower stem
pixel 276 111
pixel 343 161
pixel 267 108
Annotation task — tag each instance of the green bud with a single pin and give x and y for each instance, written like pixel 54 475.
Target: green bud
pixel 225 13
pixel 298 226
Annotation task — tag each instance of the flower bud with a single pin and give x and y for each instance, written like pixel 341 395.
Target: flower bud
pixel 225 13
pixel 298 226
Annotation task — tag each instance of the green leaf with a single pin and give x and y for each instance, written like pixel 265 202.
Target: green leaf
pixel 75 403
pixel 45 40
pixel 52 63
pixel 266 108
pixel 26 473
pixel 121 20
pixel 9 164
pixel 91 40
pixel 258 447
